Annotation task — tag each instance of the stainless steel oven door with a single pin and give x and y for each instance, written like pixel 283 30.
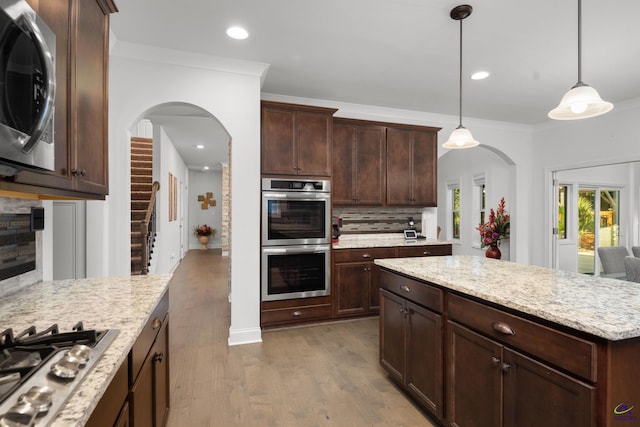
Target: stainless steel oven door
pixel 296 218
pixel 295 272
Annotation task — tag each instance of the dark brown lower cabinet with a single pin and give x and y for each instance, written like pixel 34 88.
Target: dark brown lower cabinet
pixel 491 385
pixel 411 349
pixel 149 396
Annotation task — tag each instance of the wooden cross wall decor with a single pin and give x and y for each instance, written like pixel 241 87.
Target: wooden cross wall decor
pixel 206 201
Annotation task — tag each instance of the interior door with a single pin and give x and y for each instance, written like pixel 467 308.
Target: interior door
pixel 69 240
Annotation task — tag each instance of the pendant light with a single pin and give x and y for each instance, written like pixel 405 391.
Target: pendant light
pixel 582 101
pixel 460 137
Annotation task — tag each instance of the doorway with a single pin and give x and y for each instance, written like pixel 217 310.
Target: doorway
pixel 592 209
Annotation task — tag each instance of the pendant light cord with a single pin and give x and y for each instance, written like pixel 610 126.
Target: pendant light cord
pixel 460 80
pixel 579 41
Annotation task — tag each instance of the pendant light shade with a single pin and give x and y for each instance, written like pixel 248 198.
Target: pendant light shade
pixel 582 101
pixel 460 137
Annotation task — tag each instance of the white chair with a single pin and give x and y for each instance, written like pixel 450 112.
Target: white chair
pixel 632 268
pixel 612 259
pixel 636 251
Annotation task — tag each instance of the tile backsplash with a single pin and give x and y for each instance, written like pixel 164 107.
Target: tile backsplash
pixel 20 249
pixel 364 220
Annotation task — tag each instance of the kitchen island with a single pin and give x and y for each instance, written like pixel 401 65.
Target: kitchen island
pixel 122 303
pixel 478 341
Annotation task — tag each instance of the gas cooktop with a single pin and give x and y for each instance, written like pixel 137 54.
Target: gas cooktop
pixel 40 370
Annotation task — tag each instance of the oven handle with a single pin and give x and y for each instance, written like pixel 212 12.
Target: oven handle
pixel 305 250
pixel 297 196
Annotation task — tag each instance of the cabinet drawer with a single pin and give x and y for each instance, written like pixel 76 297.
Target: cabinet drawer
pixel 558 348
pixel 296 314
pixel 147 336
pixel 418 292
pixel 358 255
pixel 424 250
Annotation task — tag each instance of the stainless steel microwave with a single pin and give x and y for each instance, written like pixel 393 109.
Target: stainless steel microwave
pixel 27 89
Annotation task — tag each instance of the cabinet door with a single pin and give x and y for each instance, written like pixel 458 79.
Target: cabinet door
pixel 537 395
pixel 369 165
pixel 278 156
pixel 358 164
pixel 474 379
pixel 392 314
pixel 399 165
pixel 343 154
pixel 351 288
pixel 160 353
pixel 314 132
pixel 89 53
pixel 141 396
pixel 424 179
pixel 411 167
pixel 424 358
pixel 123 418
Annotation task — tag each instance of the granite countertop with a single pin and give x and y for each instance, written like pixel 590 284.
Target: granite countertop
pixel 603 307
pixel 355 241
pixel 123 303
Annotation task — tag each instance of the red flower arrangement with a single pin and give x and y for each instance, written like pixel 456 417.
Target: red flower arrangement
pixel 497 228
pixel 203 230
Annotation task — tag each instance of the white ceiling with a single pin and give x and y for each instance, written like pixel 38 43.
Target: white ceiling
pixel 404 53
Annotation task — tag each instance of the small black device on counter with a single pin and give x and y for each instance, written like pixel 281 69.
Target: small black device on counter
pixel 410 234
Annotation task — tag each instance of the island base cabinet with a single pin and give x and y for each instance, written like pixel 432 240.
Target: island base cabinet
pixel 149 396
pixel 490 385
pixel 411 349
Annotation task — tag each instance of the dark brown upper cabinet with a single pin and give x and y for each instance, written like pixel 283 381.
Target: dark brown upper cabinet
pixel 412 174
pixel 358 163
pixel 296 139
pixel 81 122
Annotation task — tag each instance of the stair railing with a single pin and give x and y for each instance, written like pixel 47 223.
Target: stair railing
pixel 148 228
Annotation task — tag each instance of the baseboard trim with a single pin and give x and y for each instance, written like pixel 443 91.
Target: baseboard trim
pixel 244 336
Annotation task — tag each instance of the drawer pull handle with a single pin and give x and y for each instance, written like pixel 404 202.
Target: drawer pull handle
pixel 297 313
pixel 495 360
pixel 366 256
pixel 505 367
pixel 405 288
pixel 156 323
pixel 503 328
pixel 158 357
pixel 426 253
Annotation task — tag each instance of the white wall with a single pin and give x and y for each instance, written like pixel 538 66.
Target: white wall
pixel 462 166
pixel 142 77
pixel 201 183
pixel 168 253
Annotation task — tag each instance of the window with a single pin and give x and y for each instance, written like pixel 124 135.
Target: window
pixel 562 211
pixel 455 212
pixel 479 203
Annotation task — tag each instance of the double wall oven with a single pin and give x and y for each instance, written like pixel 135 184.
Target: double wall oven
pixel 296 238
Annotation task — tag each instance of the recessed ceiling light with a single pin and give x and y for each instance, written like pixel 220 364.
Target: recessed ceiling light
pixel 237 33
pixel 200 147
pixel 479 75
pixel 206 168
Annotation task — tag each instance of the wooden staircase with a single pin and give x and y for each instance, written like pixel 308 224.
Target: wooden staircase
pixel 141 190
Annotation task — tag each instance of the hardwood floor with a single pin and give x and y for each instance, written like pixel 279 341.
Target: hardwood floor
pixel 323 375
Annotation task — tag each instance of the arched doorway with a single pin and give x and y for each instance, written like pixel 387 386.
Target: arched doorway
pixel 191 162
pixel 477 179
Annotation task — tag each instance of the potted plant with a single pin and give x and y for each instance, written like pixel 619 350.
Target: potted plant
pixel 496 229
pixel 204 233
